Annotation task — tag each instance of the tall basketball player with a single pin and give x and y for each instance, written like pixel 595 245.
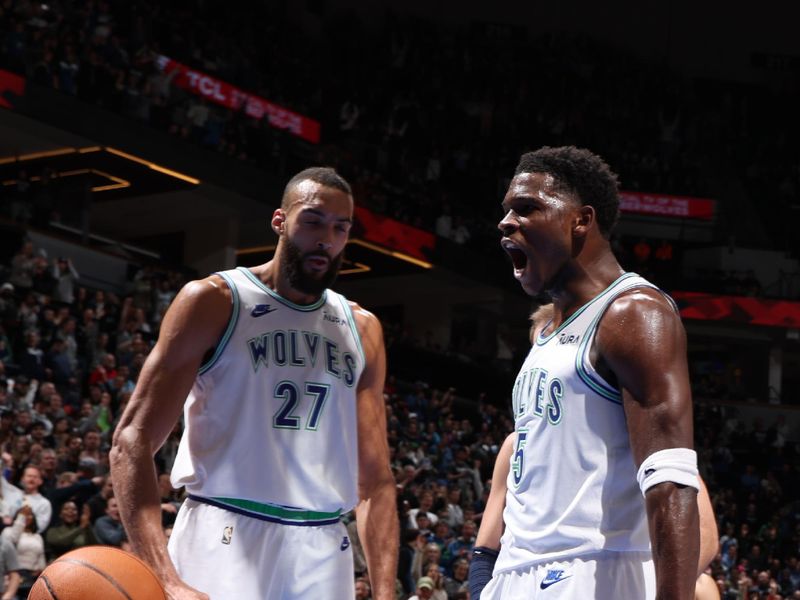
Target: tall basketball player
pixel 487 543
pixel 602 500
pixel 280 380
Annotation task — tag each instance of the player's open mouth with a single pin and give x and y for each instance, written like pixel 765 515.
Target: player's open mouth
pixel 518 257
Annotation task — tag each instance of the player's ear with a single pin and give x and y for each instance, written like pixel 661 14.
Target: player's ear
pixel 583 221
pixel 278 221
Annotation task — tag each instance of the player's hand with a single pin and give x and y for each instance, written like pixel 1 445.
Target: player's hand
pixel 180 591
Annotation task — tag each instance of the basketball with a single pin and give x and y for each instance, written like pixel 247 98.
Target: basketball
pixel 97 573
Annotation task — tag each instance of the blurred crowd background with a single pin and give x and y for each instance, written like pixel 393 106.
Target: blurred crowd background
pixel 427 125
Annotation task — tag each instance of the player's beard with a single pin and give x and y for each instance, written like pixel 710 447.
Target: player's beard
pixel 292 265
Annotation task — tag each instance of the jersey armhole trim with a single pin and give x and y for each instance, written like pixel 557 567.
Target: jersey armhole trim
pixel 234 318
pixel 589 375
pixel 353 328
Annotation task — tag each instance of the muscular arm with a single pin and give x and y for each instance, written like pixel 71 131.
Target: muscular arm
pixel 642 340
pixel 376 514
pixel 193 324
pixel 491 529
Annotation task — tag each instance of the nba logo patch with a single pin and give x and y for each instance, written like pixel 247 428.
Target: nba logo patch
pixel 227 534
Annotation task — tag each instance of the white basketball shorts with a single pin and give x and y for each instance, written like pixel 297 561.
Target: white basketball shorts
pixel 623 576
pixel 230 556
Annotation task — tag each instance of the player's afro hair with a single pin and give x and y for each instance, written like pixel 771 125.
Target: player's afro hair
pixel 580 172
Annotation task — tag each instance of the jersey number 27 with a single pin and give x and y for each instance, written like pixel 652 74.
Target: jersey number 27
pixel 285 418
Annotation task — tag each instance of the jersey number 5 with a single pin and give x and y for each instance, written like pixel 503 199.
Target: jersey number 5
pixel 517 459
pixel 286 418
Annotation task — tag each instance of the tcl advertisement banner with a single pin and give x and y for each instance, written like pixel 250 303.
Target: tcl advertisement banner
pixel 661 205
pixel 12 88
pixel 753 311
pixel 222 93
pixel 394 234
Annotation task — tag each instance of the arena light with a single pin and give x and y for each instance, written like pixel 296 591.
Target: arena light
pixel 119 183
pixel 393 253
pixel 36 155
pixel 256 249
pixel 153 165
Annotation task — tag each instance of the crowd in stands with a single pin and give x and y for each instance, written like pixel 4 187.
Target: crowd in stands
pixel 432 118
pixel 70 356
pixel 69 360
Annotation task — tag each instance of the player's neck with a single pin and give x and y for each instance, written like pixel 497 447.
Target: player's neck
pixel 271 275
pixel 581 281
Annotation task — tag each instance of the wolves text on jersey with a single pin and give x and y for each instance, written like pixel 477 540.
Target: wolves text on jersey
pixel 534 391
pixel 300 348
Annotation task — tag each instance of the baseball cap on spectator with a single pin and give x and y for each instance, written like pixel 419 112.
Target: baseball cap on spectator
pixel 425 582
pixel 22 380
pixel 7 287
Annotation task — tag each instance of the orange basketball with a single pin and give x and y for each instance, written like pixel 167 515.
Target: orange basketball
pixel 97 573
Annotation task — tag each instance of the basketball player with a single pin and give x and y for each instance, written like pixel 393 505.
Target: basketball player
pixel 487 542
pixel 284 423
pixel 602 496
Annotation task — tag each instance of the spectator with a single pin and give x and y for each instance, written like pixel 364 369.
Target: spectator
pixel 458 582
pixel 461 547
pixel 108 529
pixel 72 533
pixel 9 570
pixel 433 571
pixel 424 588
pixel 425 505
pixel 363 589
pixel 91 446
pixel 29 545
pixel 455 514
pixel 22 266
pixel 412 542
pixel 31 361
pixel 31 482
pixel 99 502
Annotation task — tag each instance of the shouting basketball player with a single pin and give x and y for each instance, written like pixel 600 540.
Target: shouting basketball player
pixel 602 497
pixel 285 423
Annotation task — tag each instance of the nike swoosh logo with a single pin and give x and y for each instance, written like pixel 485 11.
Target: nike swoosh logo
pixel 546 584
pixel 259 310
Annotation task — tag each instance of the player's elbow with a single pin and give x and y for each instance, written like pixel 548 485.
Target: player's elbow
pixel 127 445
pixel 377 484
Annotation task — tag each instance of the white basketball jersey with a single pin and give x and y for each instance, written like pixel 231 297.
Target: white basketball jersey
pixel 572 486
pixel 270 423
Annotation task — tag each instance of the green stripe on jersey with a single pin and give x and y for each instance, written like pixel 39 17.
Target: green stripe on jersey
pixel 281 512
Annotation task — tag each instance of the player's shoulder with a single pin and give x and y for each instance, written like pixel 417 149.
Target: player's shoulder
pixel 211 285
pixel 209 293
pixel 644 303
pixel 366 322
pixel 636 320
